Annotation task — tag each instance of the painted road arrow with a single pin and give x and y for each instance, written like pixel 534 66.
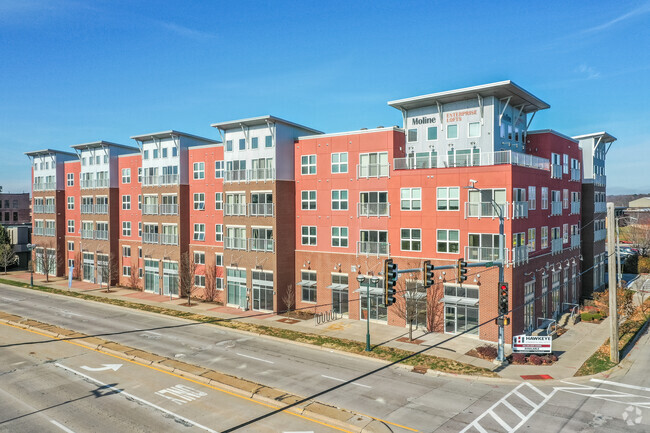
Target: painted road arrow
pixel 113 367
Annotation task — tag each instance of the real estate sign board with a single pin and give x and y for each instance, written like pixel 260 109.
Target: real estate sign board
pixel 531 344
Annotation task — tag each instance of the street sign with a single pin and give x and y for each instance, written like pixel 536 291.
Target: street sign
pixel 530 344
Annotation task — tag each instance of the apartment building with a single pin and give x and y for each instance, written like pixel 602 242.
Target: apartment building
pixel 276 213
pixel 594 211
pixel 15 208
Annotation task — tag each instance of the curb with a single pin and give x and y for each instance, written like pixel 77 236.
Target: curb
pixel 336 416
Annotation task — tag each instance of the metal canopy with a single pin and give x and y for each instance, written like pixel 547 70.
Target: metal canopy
pixel 261 120
pixel 102 144
pixel 471 302
pixel 337 286
pixel 171 134
pixel 373 290
pixel 306 283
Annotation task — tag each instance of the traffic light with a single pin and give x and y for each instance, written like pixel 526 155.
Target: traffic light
pixel 390 280
pixel 461 270
pixel 427 274
pixel 503 298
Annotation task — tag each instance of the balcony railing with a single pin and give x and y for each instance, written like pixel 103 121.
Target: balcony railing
pixel 375 248
pixel 235 243
pixel 149 209
pixel 150 238
pixel 556 208
pixel 101 234
pixel 38 208
pixel 49 231
pixel 481 254
pixel 519 255
pixel 94 183
pixel 86 208
pixel 38 231
pixel 256 244
pixel 600 235
pixel 260 209
pixel 477 159
pixel 169 209
pixel 485 210
pixel 575 241
pixel 165 179
pixel 600 207
pixel 45 186
pixel 520 209
pixel 575 174
pixel 101 208
pixel 235 176
pixel 86 234
pixel 257 174
pixel 373 209
pixel 556 171
pixel 556 246
pixel 372 170
pixel 575 207
pixel 235 209
pixel 169 239
pixel 600 180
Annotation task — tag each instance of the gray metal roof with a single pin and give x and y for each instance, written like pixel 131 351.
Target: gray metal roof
pixel 49 152
pixel 501 89
pixel 171 133
pixel 552 131
pixel 261 120
pixel 102 143
pixel 606 138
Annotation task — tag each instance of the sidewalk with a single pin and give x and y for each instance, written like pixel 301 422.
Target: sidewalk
pixel 574 347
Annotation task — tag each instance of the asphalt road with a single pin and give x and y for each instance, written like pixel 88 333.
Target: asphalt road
pixel 401 398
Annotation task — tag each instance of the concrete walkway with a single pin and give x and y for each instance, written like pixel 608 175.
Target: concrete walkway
pixel 573 348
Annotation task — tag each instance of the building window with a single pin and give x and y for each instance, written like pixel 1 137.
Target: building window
pixel 126 175
pixel 452 131
pixel 126 202
pixel 199 232
pixel 544 238
pixel 411 198
pixel 218 169
pixel 432 133
pixel 531 239
pixel 218 259
pixel 218 201
pixel 448 241
pixel 242 144
pixel 145 155
pixel 411 239
pixel 565 163
pixel 155 154
pixel 412 135
pixel 565 233
pixel 199 280
pixel 218 230
pixel 164 152
pixel 474 129
pixel 308 164
pixel 529 305
pixel 373 165
pixel 199 201
pixel 565 198
pixel 70 226
pixel 71 203
pixel 532 200
pixel 70 246
pixel 228 145
pixel 126 271
pixel 544 197
pixel 308 200
pixel 308 284
pixel 70 179
pixel 340 162
pixel 140 231
pixel 448 198
pixel 308 235
pixel 339 199
pixel 199 170
pixel 268 141
pixel 199 258
pixel 126 251
pixel 140 273
pixel 126 228
pixel 254 143
pixel 139 174
pixel 340 237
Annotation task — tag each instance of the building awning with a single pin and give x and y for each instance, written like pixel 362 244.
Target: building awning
pixel 373 290
pixel 307 283
pixel 460 301
pixel 338 287
pixel 415 295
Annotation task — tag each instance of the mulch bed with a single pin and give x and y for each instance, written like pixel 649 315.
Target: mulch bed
pixel 406 340
pixel 289 321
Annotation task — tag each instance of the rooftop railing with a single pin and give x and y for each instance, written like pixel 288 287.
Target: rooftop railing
pixel 476 159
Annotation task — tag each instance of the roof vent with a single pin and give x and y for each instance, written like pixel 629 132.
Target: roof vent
pixel 363 129
pixel 380 126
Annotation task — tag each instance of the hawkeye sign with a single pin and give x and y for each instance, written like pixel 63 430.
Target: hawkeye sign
pixel 530 344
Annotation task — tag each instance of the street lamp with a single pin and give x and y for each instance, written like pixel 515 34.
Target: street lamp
pixel 374 280
pixel 30 247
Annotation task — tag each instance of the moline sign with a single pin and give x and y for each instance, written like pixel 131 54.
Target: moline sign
pixel 450 117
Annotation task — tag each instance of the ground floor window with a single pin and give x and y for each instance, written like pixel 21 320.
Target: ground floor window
pixel 545 304
pixel 236 285
pixel 89 267
pixel 151 276
pixel 340 289
pixel 460 318
pixel 308 284
pixel 556 301
pixel 170 278
pixel 262 291
pixel 378 310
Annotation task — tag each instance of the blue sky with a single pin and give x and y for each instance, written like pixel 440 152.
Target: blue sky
pixel 79 71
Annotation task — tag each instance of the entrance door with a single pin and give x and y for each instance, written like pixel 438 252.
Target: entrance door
pixel 450 319
pixel 340 302
pixel 151 276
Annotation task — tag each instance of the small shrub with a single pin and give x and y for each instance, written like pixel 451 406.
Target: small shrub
pixel 487 352
pixel 535 359
pixel 546 359
pixel 643 265
pixel 587 317
pixel 518 358
pixel 553 357
pixel 631 265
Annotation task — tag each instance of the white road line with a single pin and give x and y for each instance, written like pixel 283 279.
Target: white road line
pixel 61 426
pixel 512 408
pixel 257 359
pixel 119 391
pixel 622 385
pixel 342 380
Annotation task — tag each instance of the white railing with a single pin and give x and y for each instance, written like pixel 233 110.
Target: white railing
pixel 556 246
pixel 600 235
pixel 519 255
pixel 87 183
pixel 600 180
pixel 485 210
pixel 149 209
pixel 150 238
pixel 256 244
pixel 86 208
pixel 49 232
pixel 372 170
pixel 481 254
pixel 101 208
pixel 101 234
pixel 575 174
pixel 373 209
pixel 235 243
pixel 44 186
pixel 169 209
pixel 376 248
pixel 238 209
pixel 260 209
pixel 86 234
pixel 476 159
pixel 38 208
pixel 520 209
pixel 556 208
pixel 101 183
pixel 38 231
pixel 575 207
pixel 169 239
pixel 235 176
pixel 255 174
pixel 556 171
pixel 575 241
pixel 168 179
pixel 149 180
pixel 600 207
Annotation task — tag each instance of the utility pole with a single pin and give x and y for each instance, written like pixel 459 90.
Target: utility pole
pixel 611 274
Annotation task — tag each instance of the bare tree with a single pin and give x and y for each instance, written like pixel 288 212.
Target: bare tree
pixel 76 272
pixel 7 256
pixel 134 279
pixel 47 260
pixel 187 275
pixel 639 235
pixel 289 298
pixel 109 272
pixel 211 275
pixel 411 300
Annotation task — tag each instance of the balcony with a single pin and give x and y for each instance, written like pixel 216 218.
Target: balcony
pixel 49 231
pixel 169 239
pixel 45 186
pixel 600 180
pixel 556 171
pixel 235 176
pixel 86 234
pixel 600 207
pixel 485 210
pixel 575 174
pixel 256 244
pixel 165 179
pixel 101 208
pixel 169 209
pixel 150 238
pixel 479 159
pixel 556 246
pixel 373 209
pixel 556 208
pixel 600 235
pixel 38 231
pixel 101 235
pixel 519 255
pixel 94 183
pixel 575 207
pixel 374 248
pixel 575 241
pixel 261 174
pixel 235 243
pixel 235 209
pixel 520 209
pixel 481 254
pixel 372 170
pixel 38 208
pixel 260 209
pixel 149 209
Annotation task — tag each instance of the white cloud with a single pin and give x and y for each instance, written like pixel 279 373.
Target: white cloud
pixel 186 31
pixel 587 71
pixel 631 14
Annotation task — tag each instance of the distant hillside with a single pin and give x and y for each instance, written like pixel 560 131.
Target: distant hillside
pixel 624 199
